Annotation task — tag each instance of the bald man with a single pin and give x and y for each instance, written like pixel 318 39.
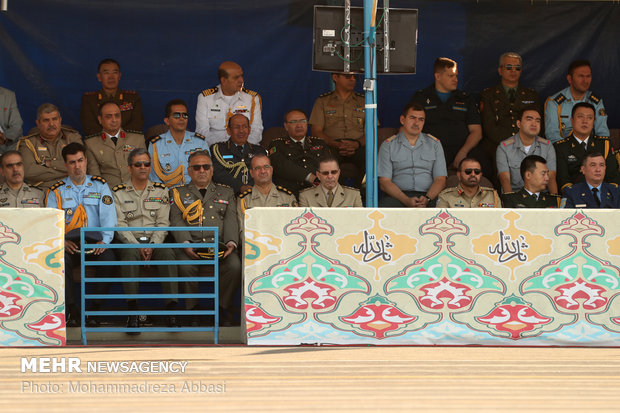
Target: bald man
pixel 216 105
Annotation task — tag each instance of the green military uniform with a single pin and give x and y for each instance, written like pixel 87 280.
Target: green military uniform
pixel 109 160
pixel 147 208
pixel 343 197
pixel 569 153
pixel 217 208
pixel 43 163
pixel 127 100
pixel 455 197
pixel 277 197
pixel 25 197
pixel 522 199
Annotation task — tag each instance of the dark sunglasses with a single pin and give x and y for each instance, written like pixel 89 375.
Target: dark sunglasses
pixel 470 171
pixel 139 164
pixel 177 115
pixel 197 168
pixel 333 172
pixel 513 67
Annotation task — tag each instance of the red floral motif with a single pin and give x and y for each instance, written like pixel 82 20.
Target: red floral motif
pixel 616 320
pixel 580 290
pixel 256 318
pixel 379 318
pixel 301 294
pixel 444 288
pixel 8 308
pixel 514 318
pixel 50 324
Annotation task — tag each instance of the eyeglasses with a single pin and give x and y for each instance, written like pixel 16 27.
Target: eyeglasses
pixel 177 115
pixel 333 172
pixel 513 67
pixel 205 166
pixel 295 122
pixel 474 170
pixel 261 167
pixel 139 164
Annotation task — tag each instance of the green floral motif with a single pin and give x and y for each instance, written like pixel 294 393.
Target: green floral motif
pixel 21 283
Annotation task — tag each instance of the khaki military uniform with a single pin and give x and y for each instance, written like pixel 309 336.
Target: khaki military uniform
pixel 43 163
pixel 277 197
pixel 457 198
pixel 127 100
pixel 339 118
pixel 108 160
pixel 522 199
pixel 343 197
pixel 216 209
pixel 24 197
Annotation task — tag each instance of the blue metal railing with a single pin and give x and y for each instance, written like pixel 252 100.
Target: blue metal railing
pixel 92 263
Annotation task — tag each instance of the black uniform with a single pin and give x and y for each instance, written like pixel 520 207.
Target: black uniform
pixel 231 164
pixel 523 199
pixel 128 101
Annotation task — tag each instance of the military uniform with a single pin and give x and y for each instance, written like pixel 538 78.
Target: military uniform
pixel 277 197
pixel 339 118
pixel 24 197
pixel 231 164
pixel 569 154
pixel 293 161
pixel 110 160
pixel 522 199
pixel 169 159
pixel 10 119
pixel 510 154
pixel 456 198
pixel 214 108
pixel 343 197
pixel 147 208
pixel 558 110
pixel 580 196
pixel 43 162
pixel 127 100
pixel 500 115
pixel 216 209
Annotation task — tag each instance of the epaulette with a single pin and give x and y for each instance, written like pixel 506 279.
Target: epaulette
pixel 613 183
pixel 281 188
pixel 391 138
pixel 29 136
pixel 137 132
pixel 487 188
pixel 360 94
pixel 155 139
pixel 327 93
pixel 566 186
pixel 462 93
pixel 199 136
pixel 159 185
pixel 92 135
pixel 543 140
pixel 350 187
pixel 224 185
pixel 432 137
pixel 91 93
pixel 306 189
pixel 280 139
pixel 559 98
pixel 594 98
pixel 57 185
pixel 508 141
pixel 561 141
pixel 244 193
pixel 97 178
pixel 249 92
pixel 208 92
pixel 119 187
pixel 68 128
pixel 131 92
pixel 605 138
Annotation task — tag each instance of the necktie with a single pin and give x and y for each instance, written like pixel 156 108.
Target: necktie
pixel 203 192
pixel 596 198
pixel 512 95
pixel 114 139
pixel 330 198
pixel 584 146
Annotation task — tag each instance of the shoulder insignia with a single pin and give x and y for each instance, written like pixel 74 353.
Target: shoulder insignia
pixel 327 93
pixel 90 93
pixel 509 193
pixel 594 98
pixel 222 185
pixel 280 188
pixel 487 188
pixel 68 128
pixel 306 189
pixel 199 136
pixel 249 92
pixel 119 187
pixel 461 93
pixel 432 137
pixel 29 136
pixel 155 139
pixel 561 141
pixel 603 138
pixel 137 132
pixel 350 188
pixel 613 184
pixel 131 92
pixel 208 92
pixel 92 135
pixel 543 140
pixel 508 141
pixel 159 185
pixel 391 138
pixel 57 185
pixel 360 94
pixel 244 193
pixel 98 178
pixel 281 139
pixel 559 98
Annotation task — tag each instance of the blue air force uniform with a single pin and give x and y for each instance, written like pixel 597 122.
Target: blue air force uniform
pixel 580 196
pixel 169 159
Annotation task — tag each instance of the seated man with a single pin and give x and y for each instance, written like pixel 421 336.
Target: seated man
pixel 170 150
pixel 87 202
pixel 411 165
pixel 216 105
pixel 231 159
pixel 10 120
pixel 107 151
pixel 329 193
pixel 41 151
pixel 142 203
pixel 201 203
pixel 469 193
pixel 295 158
pixel 109 74
pixel 571 151
pixel 592 192
pixel 14 192
pixel 526 142
pixel 535 176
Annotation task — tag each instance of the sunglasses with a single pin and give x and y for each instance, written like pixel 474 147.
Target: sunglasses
pixel 513 67
pixel 470 171
pixel 177 115
pixel 139 164
pixel 333 172
pixel 205 166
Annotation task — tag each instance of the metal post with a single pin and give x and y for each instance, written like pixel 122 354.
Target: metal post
pixel 370 86
pixel 347 36
pixel 386 36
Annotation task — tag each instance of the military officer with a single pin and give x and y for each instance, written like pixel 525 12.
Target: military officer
pixel 295 158
pixel 570 151
pixel 535 176
pixel 216 105
pixel 170 150
pixel 231 159
pixel 329 193
pixel 41 151
pixel 142 203
pixel 592 192
pixel 502 104
pixel 107 151
pixel 10 120
pixel 87 202
pixel 558 107
pixel 201 203
pixel 14 192
pixel 109 74
pixel 469 193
